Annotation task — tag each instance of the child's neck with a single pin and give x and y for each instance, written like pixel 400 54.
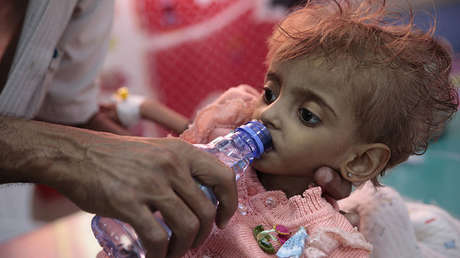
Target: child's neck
pixel 290 185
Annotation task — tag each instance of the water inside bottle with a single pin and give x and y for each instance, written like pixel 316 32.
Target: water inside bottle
pixel 234 153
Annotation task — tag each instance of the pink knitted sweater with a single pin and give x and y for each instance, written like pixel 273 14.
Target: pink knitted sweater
pixel 329 232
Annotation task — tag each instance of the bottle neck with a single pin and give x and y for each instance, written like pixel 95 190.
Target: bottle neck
pixel 248 140
pixel 258 136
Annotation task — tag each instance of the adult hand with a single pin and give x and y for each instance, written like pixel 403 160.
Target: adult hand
pixel 123 177
pixel 332 183
pixel 336 188
pixel 129 177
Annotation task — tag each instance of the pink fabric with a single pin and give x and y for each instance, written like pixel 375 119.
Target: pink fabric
pixel 268 208
pixel 230 110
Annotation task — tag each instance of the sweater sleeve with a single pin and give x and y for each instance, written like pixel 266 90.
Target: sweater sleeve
pixel 233 108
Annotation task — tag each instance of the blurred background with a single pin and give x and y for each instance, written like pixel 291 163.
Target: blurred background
pixel 185 52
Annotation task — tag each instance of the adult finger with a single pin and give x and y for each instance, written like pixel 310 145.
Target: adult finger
pixel 154 238
pixel 332 183
pixel 102 254
pixel 182 221
pixel 188 190
pixel 213 173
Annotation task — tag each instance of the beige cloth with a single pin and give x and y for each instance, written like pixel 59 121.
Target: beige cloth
pixel 62 46
pixel 398 228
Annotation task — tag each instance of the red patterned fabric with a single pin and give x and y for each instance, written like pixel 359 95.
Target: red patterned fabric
pixel 185 74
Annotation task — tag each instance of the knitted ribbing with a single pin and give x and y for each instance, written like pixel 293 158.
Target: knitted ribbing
pixel 269 208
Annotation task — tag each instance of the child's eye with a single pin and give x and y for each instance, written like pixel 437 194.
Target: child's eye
pixel 308 118
pixel 269 96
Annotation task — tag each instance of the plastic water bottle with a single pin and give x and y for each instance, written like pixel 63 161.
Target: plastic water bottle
pixel 236 149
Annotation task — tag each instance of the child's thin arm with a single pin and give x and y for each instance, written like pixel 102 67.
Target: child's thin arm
pixel 105 121
pixel 159 113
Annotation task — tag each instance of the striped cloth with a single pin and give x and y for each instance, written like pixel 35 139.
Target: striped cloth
pixel 61 48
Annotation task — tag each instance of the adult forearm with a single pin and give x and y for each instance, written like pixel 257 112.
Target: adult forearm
pixel 34 151
pixel 122 177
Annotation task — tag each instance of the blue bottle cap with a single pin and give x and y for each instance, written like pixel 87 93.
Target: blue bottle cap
pixel 260 134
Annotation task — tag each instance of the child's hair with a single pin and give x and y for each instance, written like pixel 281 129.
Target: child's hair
pixel 405 96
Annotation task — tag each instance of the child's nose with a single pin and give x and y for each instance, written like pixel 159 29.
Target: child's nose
pixel 270 117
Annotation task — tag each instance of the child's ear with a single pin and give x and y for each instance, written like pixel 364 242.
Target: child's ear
pixel 365 162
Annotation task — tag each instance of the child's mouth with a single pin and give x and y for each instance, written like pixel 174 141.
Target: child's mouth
pixel 272 147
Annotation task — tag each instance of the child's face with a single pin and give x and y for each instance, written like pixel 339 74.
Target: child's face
pixel 308 112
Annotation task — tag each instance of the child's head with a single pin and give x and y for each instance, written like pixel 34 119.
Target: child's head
pixel 346 89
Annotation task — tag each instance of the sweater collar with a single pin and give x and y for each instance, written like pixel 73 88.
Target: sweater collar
pixel 310 202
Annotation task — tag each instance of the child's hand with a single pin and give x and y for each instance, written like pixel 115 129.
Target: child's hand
pixel 110 110
pixel 106 120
